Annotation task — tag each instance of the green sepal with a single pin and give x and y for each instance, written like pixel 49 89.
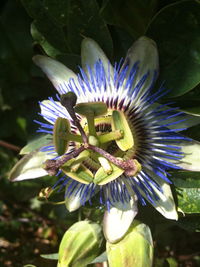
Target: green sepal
pixel 82 175
pixel 101 177
pixel 119 122
pixel 61 126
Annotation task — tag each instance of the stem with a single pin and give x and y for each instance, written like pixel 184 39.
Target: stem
pixel 9 146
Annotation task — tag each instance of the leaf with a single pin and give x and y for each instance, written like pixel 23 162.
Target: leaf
pixel 190 223
pixel 85 20
pixel 53 256
pixel 188 191
pixel 36 143
pixel 48 33
pixel 179 48
pixel 65 24
pixel 133 16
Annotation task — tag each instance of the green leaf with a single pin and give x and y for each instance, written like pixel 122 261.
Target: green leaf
pixel 179 48
pixel 133 16
pixel 36 143
pixel 190 223
pixel 48 32
pixel 39 37
pixel 188 191
pixel 85 20
pixel 53 256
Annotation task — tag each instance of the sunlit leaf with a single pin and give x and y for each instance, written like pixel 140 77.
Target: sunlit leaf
pixel 188 191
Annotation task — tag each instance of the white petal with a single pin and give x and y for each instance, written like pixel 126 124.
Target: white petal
pixel 117 220
pixel 191 161
pixel 73 202
pixel 57 73
pixel 91 52
pixel 144 51
pixel 188 119
pixel 29 167
pixel 52 110
pixel 166 205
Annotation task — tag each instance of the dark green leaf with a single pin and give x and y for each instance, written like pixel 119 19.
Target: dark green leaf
pixel 176 31
pixel 190 223
pixel 47 32
pixel 133 16
pixel 85 20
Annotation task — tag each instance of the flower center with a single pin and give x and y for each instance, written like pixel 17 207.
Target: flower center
pixel 102 146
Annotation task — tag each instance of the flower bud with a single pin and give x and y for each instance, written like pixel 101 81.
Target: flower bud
pixel 80 244
pixel 135 249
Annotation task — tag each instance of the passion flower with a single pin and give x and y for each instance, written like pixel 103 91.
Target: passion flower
pixel 111 140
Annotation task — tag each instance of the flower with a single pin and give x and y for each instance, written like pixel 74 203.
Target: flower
pixel 110 137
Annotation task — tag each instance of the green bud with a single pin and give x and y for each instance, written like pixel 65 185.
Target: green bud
pixel 119 122
pixel 80 244
pixel 135 249
pixel 45 193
